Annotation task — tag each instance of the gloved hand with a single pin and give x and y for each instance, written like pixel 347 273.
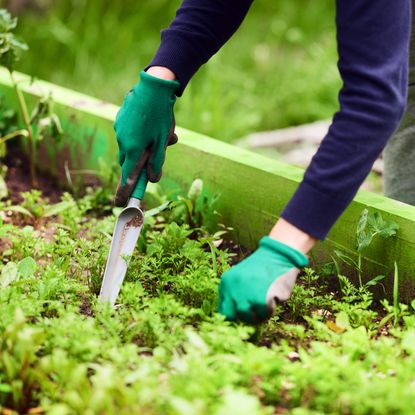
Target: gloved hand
pixel 249 290
pixel 144 127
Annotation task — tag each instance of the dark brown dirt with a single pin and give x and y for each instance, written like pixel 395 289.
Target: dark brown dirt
pixel 135 222
pixel 85 308
pixel 240 252
pixel 18 178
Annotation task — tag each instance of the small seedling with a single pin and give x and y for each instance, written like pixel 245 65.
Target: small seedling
pixel 196 208
pixel 369 226
pixel 397 310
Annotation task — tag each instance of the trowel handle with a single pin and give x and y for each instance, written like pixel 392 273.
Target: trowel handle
pixel 140 187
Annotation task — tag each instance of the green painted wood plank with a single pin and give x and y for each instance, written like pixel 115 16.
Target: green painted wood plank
pixel 253 189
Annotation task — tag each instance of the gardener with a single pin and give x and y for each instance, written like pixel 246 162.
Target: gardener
pixel 373 42
pixel 399 155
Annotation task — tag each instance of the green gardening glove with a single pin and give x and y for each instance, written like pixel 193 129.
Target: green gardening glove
pixel 249 290
pixel 144 127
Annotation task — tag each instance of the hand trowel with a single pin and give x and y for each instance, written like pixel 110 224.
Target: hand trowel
pixel 126 232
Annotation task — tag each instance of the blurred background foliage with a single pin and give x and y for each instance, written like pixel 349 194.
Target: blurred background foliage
pixel 278 70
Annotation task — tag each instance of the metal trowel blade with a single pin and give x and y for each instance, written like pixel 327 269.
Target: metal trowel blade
pixel 126 232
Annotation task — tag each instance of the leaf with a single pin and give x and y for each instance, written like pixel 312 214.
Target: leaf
pixel 361 226
pixel 396 307
pixel 189 205
pixel 155 211
pixel 348 260
pixel 45 121
pixel 19 44
pixel 5 388
pixel 8 274
pixel 196 342
pixel 217 243
pixel 20 209
pixel 182 406
pixel 371 224
pixel 11 47
pixel 389 230
pixel 40 110
pixel 342 320
pixel 375 281
pixel 3 188
pixel 57 126
pixel 364 240
pixel 334 327
pixel 195 190
pixel 384 228
pixel 408 341
pixel 238 402
pixel 26 267
pixel 7 22
pixel 53 210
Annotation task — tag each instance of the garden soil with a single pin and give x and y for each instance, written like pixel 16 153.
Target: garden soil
pixel 18 178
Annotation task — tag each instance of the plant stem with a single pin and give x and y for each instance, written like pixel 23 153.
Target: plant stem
pixel 14 134
pixel 26 120
pixel 359 266
pixel 396 308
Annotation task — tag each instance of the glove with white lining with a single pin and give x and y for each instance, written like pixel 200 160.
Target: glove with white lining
pixel 250 290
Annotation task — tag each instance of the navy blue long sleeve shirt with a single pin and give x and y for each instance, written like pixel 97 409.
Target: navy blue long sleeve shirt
pixel 373 44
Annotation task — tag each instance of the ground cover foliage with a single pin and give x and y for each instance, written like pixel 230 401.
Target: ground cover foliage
pixel 164 350
pixel 278 70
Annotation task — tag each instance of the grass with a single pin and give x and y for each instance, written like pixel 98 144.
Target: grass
pixel 331 349
pixel 278 70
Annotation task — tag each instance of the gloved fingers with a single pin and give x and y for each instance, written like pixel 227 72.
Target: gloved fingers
pixel 158 155
pixel 261 312
pixel 282 287
pixel 127 168
pixel 154 166
pixel 245 312
pixel 173 139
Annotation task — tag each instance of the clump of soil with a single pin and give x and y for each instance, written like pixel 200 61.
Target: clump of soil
pixel 18 178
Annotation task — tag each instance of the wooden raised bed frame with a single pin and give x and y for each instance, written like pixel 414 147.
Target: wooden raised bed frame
pixel 252 189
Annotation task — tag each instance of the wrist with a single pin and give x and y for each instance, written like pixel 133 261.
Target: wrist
pixel 162 73
pixel 292 236
pixel 294 256
pixel 158 85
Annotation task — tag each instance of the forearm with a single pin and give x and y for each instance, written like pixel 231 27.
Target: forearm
pixel 373 41
pixel 198 31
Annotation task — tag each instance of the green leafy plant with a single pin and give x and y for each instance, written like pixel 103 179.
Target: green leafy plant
pixel 43 122
pixel 396 311
pixel 34 206
pixel 369 226
pixel 165 350
pixel 8 123
pixel 196 208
